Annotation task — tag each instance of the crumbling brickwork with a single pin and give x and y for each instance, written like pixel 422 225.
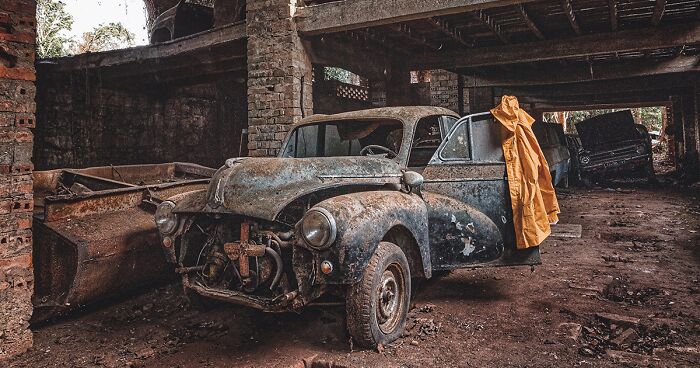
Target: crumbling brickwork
pixel 17 107
pixel 90 125
pixel 279 74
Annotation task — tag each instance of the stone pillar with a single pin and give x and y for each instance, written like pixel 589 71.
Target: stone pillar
pixel 279 74
pixel 17 107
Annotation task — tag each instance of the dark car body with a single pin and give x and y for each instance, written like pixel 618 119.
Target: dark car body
pixel 184 19
pixel 554 145
pixel 245 239
pixel 613 144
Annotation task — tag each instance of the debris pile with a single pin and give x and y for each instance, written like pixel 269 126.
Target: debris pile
pixel 613 332
pixel 619 291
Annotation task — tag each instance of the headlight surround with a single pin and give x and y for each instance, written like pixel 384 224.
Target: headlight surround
pixel 585 160
pixel 166 220
pixel 318 228
pixel 641 149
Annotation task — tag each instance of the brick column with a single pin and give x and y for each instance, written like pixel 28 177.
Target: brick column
pixel 444 89
pixel 279 75
pixel 17 39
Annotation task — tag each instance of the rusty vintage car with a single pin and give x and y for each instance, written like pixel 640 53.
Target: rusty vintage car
pixel 613 145
pixel 355 206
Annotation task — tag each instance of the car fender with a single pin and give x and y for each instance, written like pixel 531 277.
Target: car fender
pixel 363 220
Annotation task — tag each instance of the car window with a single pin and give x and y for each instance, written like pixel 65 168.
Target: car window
pixel 343 138
pixel 426 140
pixel 457 145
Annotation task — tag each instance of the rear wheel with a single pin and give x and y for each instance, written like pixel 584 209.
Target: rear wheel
pixel 378 304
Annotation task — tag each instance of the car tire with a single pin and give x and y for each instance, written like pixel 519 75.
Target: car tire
pixel 378 304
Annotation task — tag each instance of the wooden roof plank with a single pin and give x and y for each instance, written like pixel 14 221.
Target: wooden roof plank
pixel 522 12
pixel 569 11
pixel 659 9
pixel 596 44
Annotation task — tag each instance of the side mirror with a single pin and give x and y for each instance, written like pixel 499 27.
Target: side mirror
pixel 412 180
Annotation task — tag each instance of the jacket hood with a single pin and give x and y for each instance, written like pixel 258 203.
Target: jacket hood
pixel 263 187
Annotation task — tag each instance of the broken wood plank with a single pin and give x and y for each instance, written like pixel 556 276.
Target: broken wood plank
pixel 566 231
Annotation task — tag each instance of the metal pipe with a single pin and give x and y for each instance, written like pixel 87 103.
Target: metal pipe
pixel 279 265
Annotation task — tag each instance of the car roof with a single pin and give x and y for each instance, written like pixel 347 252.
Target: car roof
pixel 406 114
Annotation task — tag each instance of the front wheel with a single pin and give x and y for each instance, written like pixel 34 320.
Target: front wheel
pixel 378 304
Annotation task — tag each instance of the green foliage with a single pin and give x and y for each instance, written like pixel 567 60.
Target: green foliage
pixel 339 74
pixel 53 21
pixel 105 37
pixel 650 117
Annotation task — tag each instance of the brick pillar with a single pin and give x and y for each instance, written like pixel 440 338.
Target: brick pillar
pixel 398 86
pixel 444 89
pixel 696 99
pixel 17 91
pixel 478 99
pixel 279 75
pixel 691 156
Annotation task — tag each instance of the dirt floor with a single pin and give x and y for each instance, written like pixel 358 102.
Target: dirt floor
pixel 626 293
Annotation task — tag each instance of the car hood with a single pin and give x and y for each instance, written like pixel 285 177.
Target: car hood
pixel 263 187
pixel 608 131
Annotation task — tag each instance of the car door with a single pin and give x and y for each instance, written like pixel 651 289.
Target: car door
pixel 466 191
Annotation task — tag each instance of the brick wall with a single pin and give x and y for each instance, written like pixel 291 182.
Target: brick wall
pixel 444 89
pixel 17 35
pixel 85 124
pixel 279 75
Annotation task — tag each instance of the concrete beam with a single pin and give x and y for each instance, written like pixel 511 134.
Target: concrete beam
pixel 584 72
pixel 581 46
pixel 155 53
pixel 353 14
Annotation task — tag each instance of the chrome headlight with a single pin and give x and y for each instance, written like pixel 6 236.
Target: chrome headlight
pixel 585 160
pixel 166 220
pixel 318 228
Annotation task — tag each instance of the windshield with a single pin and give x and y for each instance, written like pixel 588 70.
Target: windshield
pixel 345 138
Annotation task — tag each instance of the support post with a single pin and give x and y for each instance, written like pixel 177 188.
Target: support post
pixel 279 74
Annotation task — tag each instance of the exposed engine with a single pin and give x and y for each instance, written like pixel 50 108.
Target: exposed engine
pixel 228 253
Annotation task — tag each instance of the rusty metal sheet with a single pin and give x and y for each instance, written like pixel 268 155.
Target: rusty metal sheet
pixel 94 231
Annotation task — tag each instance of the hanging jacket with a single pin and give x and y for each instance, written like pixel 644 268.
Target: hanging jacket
pixel 532 195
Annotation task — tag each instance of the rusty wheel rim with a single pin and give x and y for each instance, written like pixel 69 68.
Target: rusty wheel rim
pixel 390 295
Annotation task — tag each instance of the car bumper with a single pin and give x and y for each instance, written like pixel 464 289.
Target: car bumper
pixel 617 164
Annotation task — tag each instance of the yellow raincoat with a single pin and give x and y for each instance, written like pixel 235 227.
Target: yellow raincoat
pixel 532 196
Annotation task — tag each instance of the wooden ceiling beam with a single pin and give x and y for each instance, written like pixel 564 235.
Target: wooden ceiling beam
pixel 495 28
pixel 569 11
pixel 339 16
pixel 444 27
pixel 522 12
pixel 586 71
pixel 612 8
pixel 410 34
pixel 589 45
pixel 659 9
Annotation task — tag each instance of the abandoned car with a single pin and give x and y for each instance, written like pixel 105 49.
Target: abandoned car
pixel 611 144
pixel 554 145
pixel 355 206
